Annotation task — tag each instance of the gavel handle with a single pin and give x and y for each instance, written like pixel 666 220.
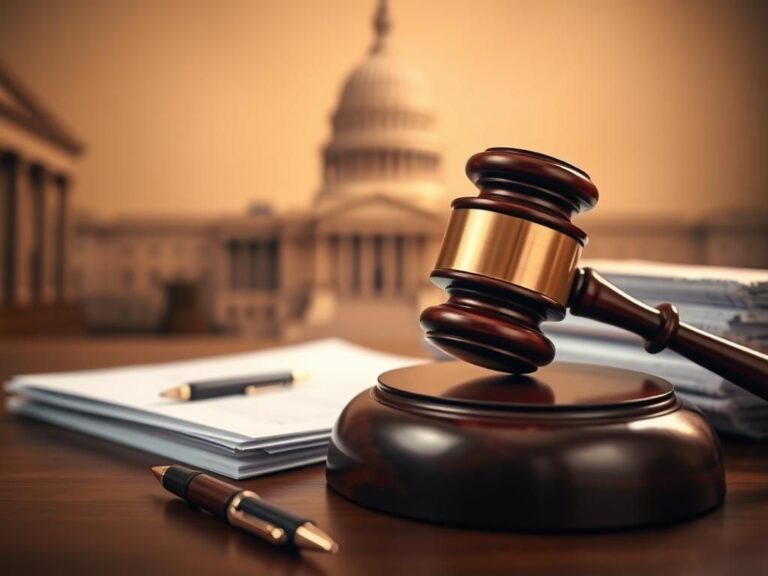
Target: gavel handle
pixel 592 296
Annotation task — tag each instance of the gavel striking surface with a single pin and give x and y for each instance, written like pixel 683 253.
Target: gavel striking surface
pixel 577 447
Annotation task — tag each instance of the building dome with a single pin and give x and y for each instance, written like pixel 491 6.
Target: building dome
pixel 383 140
pixel 383 81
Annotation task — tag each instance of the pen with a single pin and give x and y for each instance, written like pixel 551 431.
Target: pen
pixel 243 509
pixel 214 388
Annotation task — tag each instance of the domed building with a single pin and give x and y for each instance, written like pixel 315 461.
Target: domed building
pixel 356 262
pixel 381 206
pixel 383 139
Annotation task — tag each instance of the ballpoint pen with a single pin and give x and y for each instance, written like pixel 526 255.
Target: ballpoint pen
pixel 243 509
pixel 215 388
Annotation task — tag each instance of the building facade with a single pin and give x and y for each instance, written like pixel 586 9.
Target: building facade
pixel 360 255
pixel 37 164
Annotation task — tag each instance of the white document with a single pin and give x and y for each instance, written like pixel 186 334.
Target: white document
pixel 278 425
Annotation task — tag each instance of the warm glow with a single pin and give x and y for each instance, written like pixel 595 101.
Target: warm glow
pixel 197 106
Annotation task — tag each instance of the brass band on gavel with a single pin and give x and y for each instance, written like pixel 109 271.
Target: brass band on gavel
pixel 512 250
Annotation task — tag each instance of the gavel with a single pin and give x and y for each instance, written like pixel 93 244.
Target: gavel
pixel 509 261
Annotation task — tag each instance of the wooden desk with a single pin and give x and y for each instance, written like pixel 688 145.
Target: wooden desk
pixel 74 504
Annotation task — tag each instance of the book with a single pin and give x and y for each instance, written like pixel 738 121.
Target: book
pixel 237 436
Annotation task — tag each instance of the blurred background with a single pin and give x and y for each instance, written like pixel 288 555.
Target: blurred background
pixel 285 169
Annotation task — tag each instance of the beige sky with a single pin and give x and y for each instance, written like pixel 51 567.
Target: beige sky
pixel 202 106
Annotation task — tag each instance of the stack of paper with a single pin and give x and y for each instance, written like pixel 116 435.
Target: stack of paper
pixel 728 302
pixel 237 436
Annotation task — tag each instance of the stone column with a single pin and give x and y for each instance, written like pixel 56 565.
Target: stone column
pixel 417 270
pixel 322 263
pixel 355 264
pixel 345 265
pixel 50 240
pixel 335 250
pixel 390 267
pixel 39 231
pixel 8 186
pixel 23 241
pixel 62 238
pixel 366 265
pixel 401 287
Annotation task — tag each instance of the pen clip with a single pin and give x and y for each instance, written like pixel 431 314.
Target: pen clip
pixel 257 526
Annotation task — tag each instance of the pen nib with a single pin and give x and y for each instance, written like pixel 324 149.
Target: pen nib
pixel 159 472
pixel 183 392
pixel 310 537
pixel 171 394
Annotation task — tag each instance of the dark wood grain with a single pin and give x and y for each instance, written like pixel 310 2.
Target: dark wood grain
pixel 70 504
pixel 456 444
pixel 490 323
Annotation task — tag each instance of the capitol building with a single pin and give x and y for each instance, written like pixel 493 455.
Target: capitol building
pixel 358 259
pixel 354 264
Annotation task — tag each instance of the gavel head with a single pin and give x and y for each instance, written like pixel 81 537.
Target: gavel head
pixel 508 259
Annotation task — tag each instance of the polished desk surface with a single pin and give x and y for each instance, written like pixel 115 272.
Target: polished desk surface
pixel 74 504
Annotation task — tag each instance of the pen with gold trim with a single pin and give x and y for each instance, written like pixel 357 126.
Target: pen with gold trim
pixel 214 388
pixel 243 509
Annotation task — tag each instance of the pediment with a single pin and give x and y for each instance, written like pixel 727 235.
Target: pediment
pixel 377 213
pixel 21 108
pixel 10 101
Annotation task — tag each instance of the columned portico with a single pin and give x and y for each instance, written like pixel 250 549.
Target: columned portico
pixel 33 233
pixel 37 161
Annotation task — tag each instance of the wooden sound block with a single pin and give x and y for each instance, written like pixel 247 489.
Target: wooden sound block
pixel 576 447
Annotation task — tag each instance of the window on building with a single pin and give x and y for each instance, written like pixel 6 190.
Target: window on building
pixel 256 266
pixel 233 250
pixel 273 265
